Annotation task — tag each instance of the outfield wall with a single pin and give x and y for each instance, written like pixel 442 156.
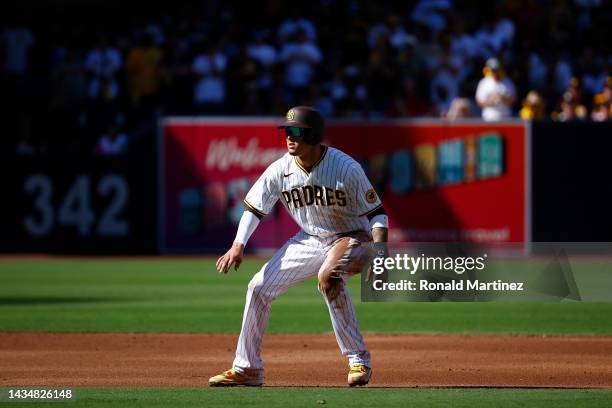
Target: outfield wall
pixel 63 204
pixel 508 182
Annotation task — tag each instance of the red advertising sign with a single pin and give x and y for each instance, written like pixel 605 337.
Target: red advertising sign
pixel 439 181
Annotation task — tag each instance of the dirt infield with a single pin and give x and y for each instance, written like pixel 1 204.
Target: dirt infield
pixel 187 360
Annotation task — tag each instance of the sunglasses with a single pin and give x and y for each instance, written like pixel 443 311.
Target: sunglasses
pixel 296 131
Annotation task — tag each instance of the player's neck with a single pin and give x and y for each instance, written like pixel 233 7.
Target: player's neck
pixel 310 157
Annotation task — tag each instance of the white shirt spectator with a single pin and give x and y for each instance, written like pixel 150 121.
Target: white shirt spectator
pixel 301 59
pixel 488 88
pixel 211 87
pixel 17 43
pixel 103 63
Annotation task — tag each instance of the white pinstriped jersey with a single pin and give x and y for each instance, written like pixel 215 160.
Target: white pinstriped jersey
pixel 333 198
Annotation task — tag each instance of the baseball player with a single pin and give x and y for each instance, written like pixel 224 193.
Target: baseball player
pixel 329 196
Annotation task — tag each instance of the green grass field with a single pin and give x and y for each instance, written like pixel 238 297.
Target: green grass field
pixel 180 295
pixel 335 397
pixel 187 295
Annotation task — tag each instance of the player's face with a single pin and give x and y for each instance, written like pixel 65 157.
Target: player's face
pixel 295 142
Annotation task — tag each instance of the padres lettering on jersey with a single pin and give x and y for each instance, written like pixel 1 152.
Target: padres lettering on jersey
pixel 314 195
pixel 334 197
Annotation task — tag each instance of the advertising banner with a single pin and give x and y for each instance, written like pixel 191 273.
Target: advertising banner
pixel 439 181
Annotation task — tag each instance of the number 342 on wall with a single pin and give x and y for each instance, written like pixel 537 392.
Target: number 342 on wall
pixel 75 208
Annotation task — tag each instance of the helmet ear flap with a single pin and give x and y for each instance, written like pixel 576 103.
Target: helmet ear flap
pixel 314 136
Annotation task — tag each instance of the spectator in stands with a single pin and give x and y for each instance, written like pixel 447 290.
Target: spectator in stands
pixel 602 112
pixel 602 103
pixel 209 67
pixel 319 98
pixel 375 65
pixel 143 69
pixel 70 80
pixel 460 108
pixel 447 71
pixel 574 90
pixel 103 63
pixel 266 56
pixel 538 72
pixel 533 107
pixel 25 147
pixel 605 96
pixel 570 109
pixel 594 79
pixel 495 93
pixel 462 43
pixel 432 14
pixel 563 73
pixel 301 57
pixel 382 76
pixel 242 75
pixel 444 89
pixel 409 103
pixel 16 41
pixel 261 50
pixel 292 25
pixel 112 143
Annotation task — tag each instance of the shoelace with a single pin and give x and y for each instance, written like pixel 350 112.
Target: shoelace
pixel 358 369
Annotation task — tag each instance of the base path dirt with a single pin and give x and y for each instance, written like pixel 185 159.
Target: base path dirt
pixel 188 360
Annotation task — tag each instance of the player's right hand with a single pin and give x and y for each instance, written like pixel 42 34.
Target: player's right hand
pixel 232 257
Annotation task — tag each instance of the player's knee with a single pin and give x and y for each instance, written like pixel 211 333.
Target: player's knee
pixel 255 286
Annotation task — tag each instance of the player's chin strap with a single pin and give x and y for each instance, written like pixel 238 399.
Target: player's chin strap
pixel 379 221
pixel 248 223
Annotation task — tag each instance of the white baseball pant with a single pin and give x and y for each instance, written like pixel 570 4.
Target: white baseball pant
pixel 303 257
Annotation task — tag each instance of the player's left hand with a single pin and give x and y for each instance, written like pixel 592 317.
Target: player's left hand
pixel 232 257
pixel 381 250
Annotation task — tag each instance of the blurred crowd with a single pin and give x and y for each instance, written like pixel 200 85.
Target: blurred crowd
pixel 98 74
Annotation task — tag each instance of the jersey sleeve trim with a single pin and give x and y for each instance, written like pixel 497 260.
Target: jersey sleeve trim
pixel 260 214
pixel 377 211
pixel 378 207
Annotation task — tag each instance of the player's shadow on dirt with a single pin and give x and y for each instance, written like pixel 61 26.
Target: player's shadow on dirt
pixel 35 300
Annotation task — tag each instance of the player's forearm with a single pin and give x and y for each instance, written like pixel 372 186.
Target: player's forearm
pixel 246 227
